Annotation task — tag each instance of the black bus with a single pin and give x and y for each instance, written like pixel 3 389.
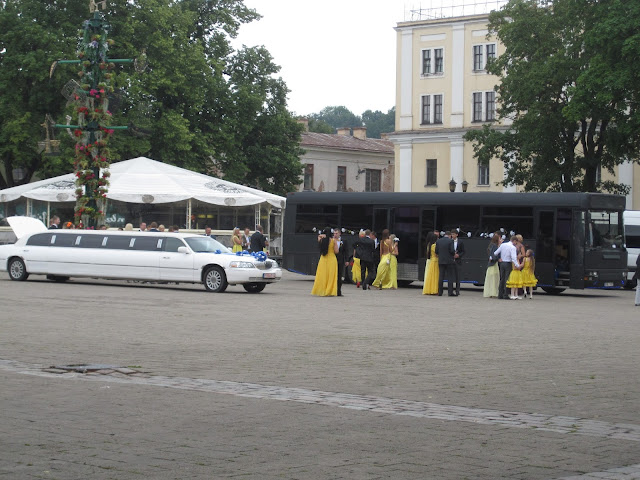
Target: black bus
pixel 577 238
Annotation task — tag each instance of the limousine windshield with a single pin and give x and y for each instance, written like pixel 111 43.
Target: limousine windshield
pixel 206 245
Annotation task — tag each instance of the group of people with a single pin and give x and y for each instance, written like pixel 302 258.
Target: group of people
pixel 373 263
pixel 256 242
pixel 444 260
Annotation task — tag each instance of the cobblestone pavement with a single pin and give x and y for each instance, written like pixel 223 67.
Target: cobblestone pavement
pixel 372 385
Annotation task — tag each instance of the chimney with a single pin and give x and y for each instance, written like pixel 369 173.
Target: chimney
pixel 305 122
pixel 344 131
pixel 360 132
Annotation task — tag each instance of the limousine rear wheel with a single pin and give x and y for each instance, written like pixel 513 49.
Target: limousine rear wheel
pixel 17 270
pixel 254 287
pixel 215 280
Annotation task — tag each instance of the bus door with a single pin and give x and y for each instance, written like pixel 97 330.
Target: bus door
pixel 405 224
pixel 545 247
pixel 427 225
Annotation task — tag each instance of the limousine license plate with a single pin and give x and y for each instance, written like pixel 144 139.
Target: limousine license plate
pixel 268 275
pixel 608 284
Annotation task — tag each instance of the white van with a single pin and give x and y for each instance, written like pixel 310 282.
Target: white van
pixel 632 240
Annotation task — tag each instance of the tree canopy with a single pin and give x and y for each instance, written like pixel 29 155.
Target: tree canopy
pixel 568 93
pixel 199 104
pixel 331 118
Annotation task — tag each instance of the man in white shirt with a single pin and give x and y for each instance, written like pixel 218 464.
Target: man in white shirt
pixel 508 253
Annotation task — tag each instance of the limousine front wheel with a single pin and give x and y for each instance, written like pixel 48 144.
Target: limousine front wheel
pixel 17 270
pixel 215 280
pixel 254 287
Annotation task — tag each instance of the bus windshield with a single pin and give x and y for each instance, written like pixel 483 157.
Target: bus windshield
pixel 604 229
pixel 206 245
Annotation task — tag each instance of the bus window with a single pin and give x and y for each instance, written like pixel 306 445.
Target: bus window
pixel 355 217
pixel 313 216
pixel 604 229
pixel 511 219
pixel 632 236
pixel 464 217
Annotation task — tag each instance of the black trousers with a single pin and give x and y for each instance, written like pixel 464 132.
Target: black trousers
pixel 457 270
pixel 448 270
pixel 505 271
pixel 340 275
pixel 364 266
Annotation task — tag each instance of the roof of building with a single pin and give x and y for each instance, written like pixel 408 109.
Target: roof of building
pixel 345 142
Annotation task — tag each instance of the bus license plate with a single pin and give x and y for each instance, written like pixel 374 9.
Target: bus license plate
pixel 268 275
pixel 608 284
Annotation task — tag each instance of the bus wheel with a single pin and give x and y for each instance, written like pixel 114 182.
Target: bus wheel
pixel 215 280
pixel 553 290
pixel 254 287
pixel 630 284
pixel 17 270
pixel 404 283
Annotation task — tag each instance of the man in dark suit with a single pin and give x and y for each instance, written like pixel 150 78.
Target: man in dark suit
pixel 365 247
pixel 258 240
pixel 342 258
pixel 376 253
pixel 458 253
pixel 444 250
pixel 55 221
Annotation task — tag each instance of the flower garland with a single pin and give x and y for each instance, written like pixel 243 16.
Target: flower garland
pixel 91 111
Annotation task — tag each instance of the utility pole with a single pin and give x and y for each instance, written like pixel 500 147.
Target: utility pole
pixel 93 129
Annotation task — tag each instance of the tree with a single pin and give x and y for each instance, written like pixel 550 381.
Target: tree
pixel 336 117
pixel 198 105
pixel 378 122
pixel 565 123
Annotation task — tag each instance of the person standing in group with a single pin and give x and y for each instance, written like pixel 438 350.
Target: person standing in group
pixel 207 232
pixel 258 241
pixel 446 263
pixel 246 239
pixel 356 274
pixel 508 255
pixel 376 252
pixel 236 240
pixel 393 266
pixel 341 258
pixel 529 279
pixel 55 221
pixel 383 271
pixel 143 227
pixel 432 269
pixel 365 247
pixel 458 253
pixel 326 281
pixel 492 277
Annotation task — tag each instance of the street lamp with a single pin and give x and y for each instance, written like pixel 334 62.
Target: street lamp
pixel 465 184
pixel 452 185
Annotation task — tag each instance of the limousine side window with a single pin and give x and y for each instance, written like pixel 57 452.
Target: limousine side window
pixel 63 240
pixel 118 242
pixel 90 241
pixel 40 239
pixel 172 244
pixel 146 243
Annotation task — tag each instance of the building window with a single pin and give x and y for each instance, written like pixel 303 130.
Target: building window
pixel 342 179
pixel 482 53
pixel 483 174
pixel 372 182
pixel 429 66
pixel 484 106
pixel 432 108
pixel 490 106
pixel 308 176
pixel 432 173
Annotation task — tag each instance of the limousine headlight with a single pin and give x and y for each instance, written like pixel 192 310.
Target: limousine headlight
pixel 238 264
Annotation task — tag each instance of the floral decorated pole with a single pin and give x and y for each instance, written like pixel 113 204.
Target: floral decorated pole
pixel 93 118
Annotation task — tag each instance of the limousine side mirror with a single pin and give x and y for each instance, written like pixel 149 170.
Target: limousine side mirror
pixel 183 250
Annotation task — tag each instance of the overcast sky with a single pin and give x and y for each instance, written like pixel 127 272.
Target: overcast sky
pixel 332 52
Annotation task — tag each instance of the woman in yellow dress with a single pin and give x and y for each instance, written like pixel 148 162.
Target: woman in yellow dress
pixel 356 274
pixel 383 274
pixel 529 279
pixel 392 282
pixel 236 240
pixel 432 270
pixel 514 282
pixel 326 281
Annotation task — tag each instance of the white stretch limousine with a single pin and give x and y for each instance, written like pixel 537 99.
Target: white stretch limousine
pixel 150 256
